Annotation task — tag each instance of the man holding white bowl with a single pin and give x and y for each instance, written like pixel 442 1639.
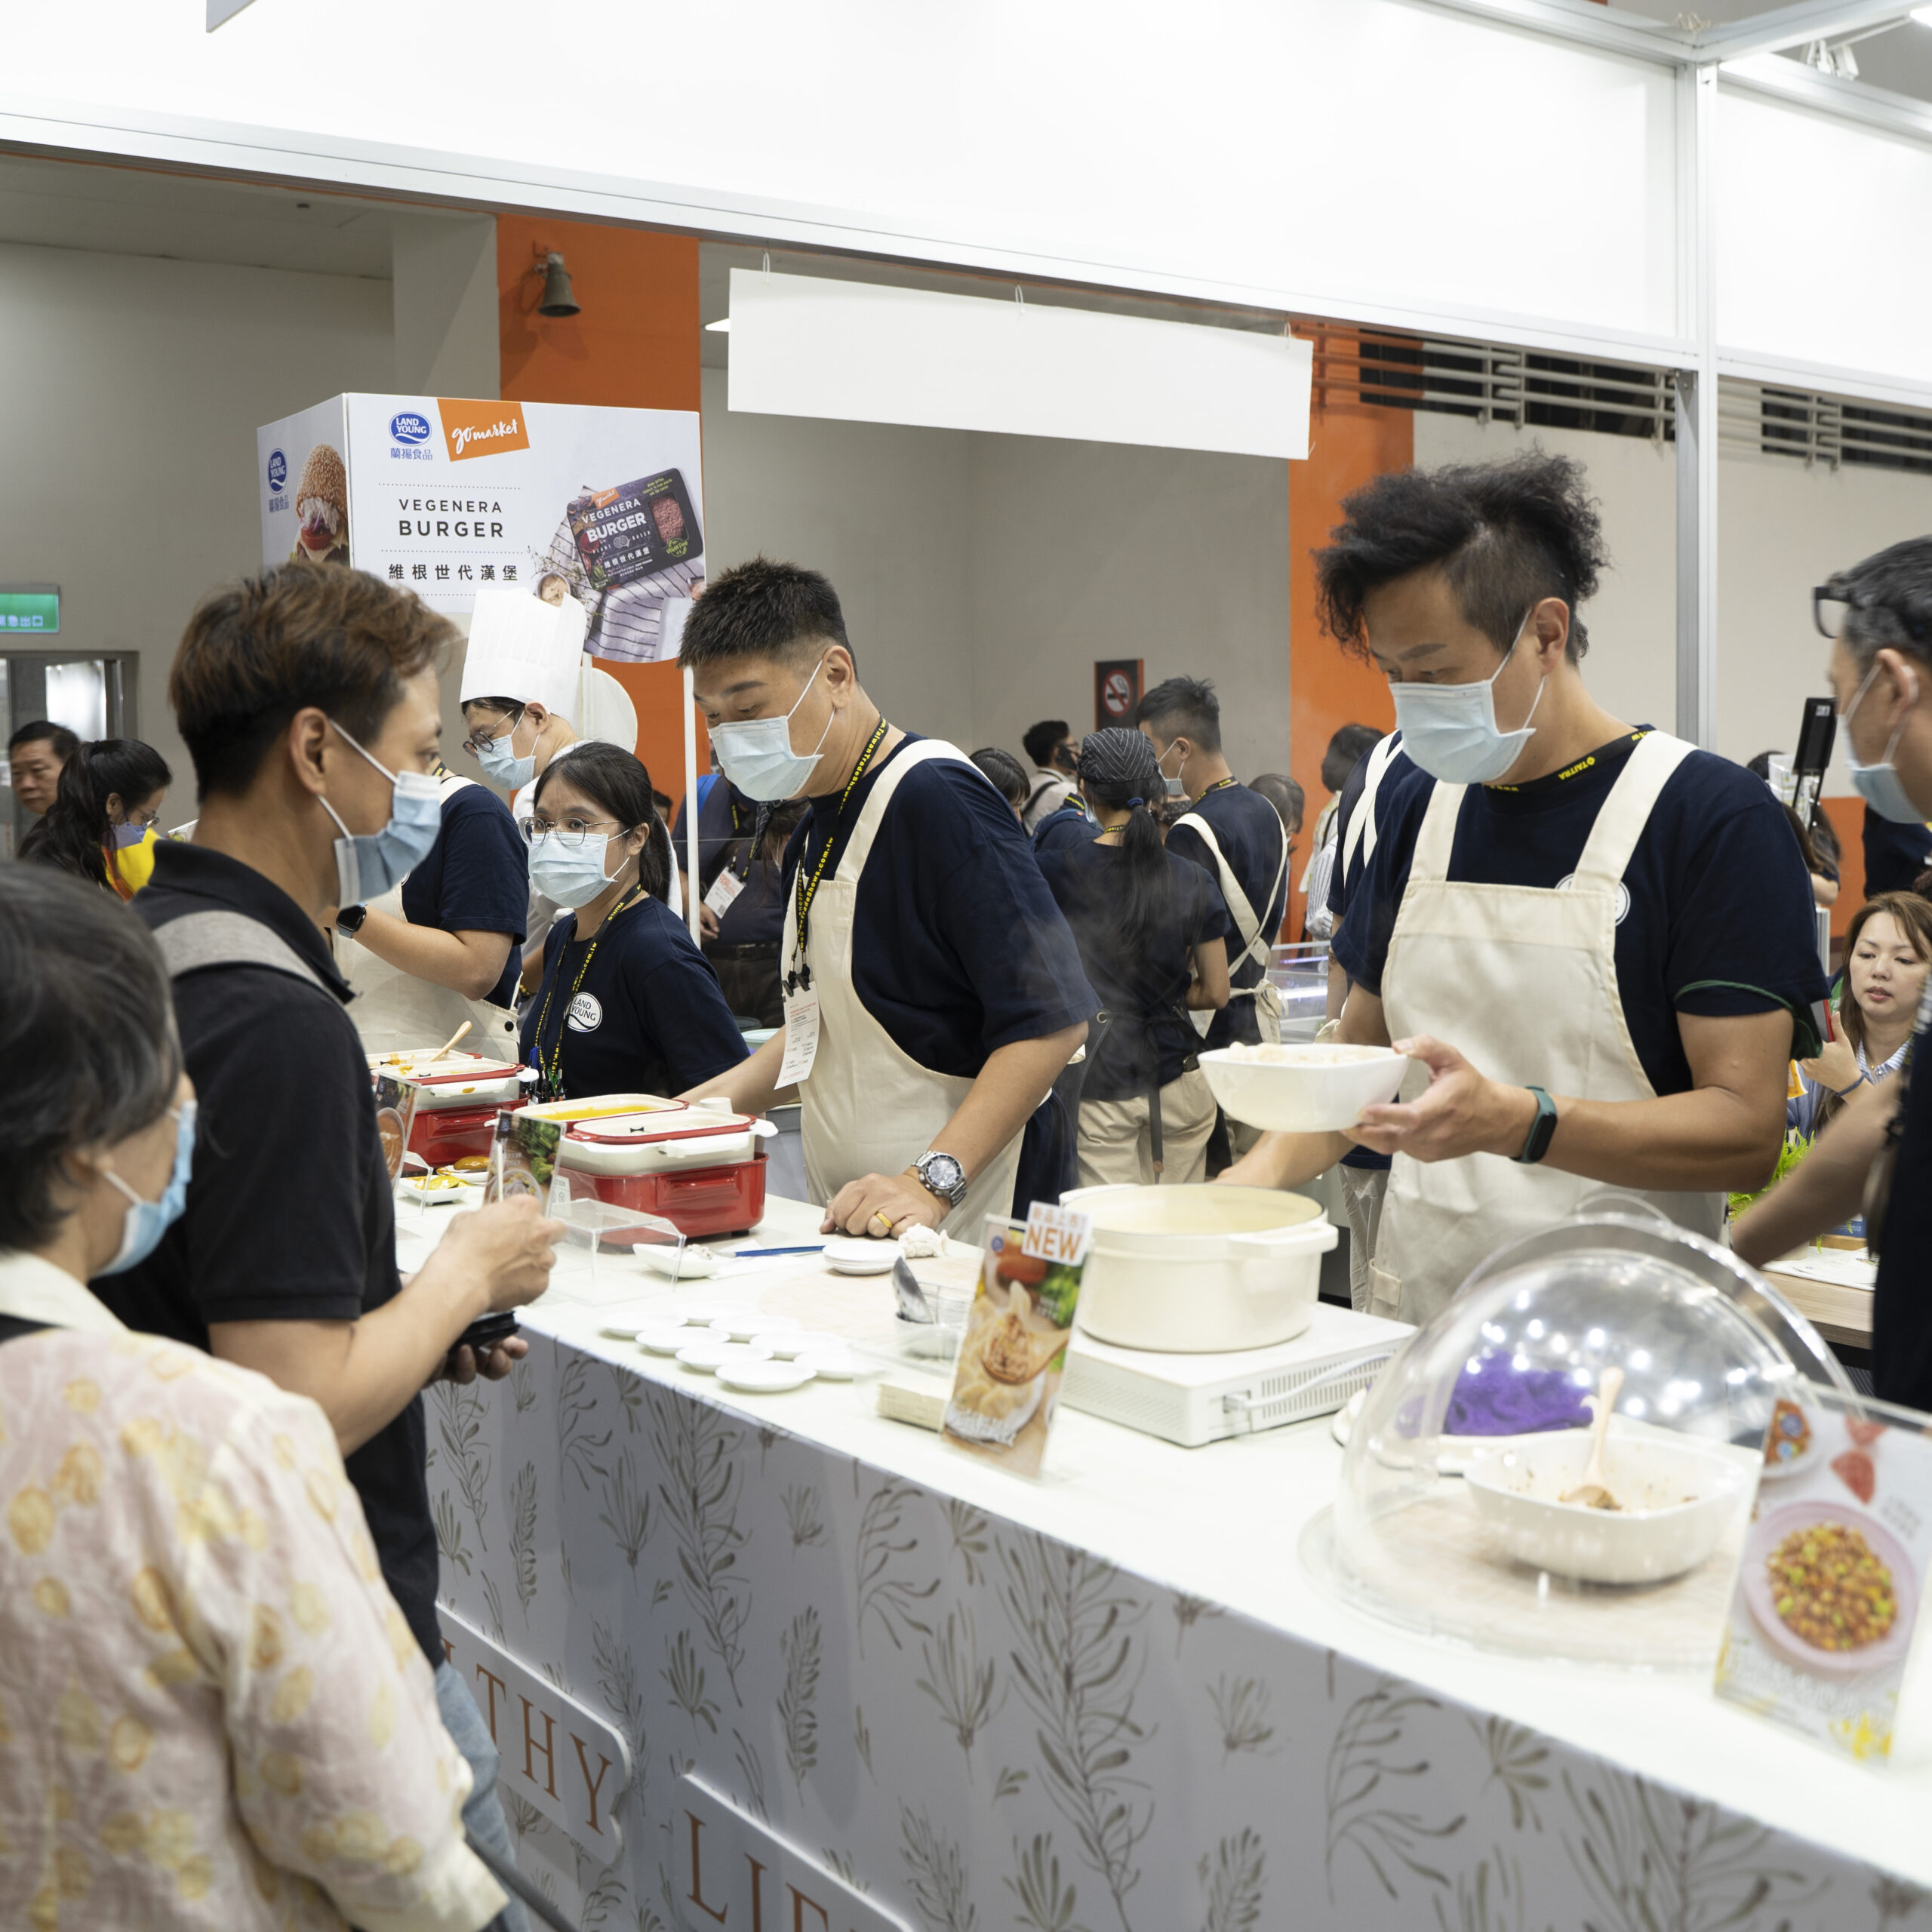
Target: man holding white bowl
pixel 1595 941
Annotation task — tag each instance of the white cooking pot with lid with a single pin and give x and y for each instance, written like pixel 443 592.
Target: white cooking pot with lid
pixel 1200 1270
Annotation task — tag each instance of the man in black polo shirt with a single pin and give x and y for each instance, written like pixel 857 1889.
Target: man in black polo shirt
pixel 307 698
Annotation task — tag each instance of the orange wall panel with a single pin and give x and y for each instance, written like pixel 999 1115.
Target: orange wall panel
pixel 635 346
pixel 1848 818
pixel 1348 444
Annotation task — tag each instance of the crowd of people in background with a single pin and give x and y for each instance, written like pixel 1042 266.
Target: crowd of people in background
pixel 1096 913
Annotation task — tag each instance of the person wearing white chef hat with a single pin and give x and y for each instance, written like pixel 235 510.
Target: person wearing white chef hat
pixel 1594 941
pixel 527 687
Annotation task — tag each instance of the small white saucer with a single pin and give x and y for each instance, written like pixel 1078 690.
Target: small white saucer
pixel 764 1377
pixel 854 1255
pixel 714 1352
pixel 746 1324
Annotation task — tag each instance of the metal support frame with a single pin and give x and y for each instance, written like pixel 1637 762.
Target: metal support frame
pixel 1697 415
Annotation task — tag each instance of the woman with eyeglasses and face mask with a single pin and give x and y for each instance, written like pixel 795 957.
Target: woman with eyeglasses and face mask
pixel 100 826
pixel 134 1623
pixel 628 1004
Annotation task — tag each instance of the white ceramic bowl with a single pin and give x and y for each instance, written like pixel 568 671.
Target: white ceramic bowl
pixel 1679 1496
pixel 1303 1089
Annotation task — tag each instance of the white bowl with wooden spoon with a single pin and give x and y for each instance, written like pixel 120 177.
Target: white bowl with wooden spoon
pixel 1673 1498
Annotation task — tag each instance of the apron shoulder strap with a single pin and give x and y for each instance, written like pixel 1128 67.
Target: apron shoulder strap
pixel 1437 839
pixel 1247 921
pixel 200 940
pixel 1362 832
pixel 858 847
pixel 1624 813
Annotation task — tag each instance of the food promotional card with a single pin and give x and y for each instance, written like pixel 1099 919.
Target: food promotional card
pixel 523 1159
pixel 444 494
pixel 1821 1622
pixel 396 1115
pixel 1006 1386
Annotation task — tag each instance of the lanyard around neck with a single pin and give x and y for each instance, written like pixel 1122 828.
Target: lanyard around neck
pixel 550 1085
pixel 800 973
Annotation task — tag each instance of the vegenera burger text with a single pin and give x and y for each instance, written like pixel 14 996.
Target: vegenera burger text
pixel 469 513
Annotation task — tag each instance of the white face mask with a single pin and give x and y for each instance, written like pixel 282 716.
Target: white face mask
pixel 1176 788
pixel 1879 784
pixel 1450 731
pixel 756 754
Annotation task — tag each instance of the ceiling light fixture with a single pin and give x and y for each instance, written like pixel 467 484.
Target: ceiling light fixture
pixel 558 297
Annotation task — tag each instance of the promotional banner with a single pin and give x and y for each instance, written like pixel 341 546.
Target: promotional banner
pixel 445 495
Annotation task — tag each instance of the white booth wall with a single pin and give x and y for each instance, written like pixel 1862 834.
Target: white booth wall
pixel 981 576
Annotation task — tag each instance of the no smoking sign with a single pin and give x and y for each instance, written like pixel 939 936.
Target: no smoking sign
pixel 1116 691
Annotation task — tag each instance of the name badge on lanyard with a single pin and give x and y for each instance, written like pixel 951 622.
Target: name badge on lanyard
pixel 800 1035
pixel 723 889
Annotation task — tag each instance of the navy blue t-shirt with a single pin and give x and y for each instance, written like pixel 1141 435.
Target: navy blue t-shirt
pixel 476 878
pixel 957 949
pixel 1347 873
pixel 1719 915
pixel 648 1016
pixel 1147 1035
pixel 1069 825
pixel 1895 854
pixel 1248 830
pixel 726 820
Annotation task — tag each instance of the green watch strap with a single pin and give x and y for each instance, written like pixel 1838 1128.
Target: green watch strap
pixel 1543 1129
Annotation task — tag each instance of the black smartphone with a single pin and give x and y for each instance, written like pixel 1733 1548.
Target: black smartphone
pixel 484 1334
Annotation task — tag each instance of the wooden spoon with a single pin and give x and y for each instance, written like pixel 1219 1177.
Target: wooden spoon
pixel 1591 1494
pixel 448 1043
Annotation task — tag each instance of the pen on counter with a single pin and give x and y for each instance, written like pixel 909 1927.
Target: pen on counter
pixel 759 1254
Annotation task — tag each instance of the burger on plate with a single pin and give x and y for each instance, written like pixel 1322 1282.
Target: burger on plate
pixel 322 504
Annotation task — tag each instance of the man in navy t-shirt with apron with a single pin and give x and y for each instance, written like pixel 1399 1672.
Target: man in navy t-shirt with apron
pixel 1595 941
pixel 1238 838
pixel 932 990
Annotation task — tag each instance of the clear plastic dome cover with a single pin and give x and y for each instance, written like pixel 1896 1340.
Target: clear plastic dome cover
pixel 1464 1510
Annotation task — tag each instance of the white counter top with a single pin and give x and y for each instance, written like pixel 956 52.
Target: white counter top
pixel 1222 1523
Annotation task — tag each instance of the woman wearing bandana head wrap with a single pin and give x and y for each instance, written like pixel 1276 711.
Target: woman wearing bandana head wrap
pixel 1151 927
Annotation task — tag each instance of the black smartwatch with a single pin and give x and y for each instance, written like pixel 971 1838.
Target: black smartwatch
pixel 349 921
pixel 1542 1129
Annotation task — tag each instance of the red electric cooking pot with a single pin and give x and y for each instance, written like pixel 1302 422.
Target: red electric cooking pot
pixel 461 1095
pixel 700 1168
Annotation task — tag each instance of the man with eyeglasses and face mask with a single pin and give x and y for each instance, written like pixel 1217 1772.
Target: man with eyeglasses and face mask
pixel 932 990
pixel 1877 1155
pixel 1594 941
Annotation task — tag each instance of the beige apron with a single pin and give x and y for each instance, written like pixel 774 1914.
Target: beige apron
pixel 1255 944
pixel 394 1010
pixel 868 1106
pixel 1521 981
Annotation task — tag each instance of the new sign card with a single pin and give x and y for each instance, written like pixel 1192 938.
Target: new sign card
pixel 1835 1560
pixel 445 494
pixel 1006 1386
pixel 524 1157
pixel 396 1115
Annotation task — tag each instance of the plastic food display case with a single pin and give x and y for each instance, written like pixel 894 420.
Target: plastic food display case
pixel 1299 974
pixel 700 1168
pixel 1463 1512
pixel 461 1095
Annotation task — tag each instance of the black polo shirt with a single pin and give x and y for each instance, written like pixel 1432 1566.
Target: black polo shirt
pixel 289 1218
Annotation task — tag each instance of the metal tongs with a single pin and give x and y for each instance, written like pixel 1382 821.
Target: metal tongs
pixel 913 1306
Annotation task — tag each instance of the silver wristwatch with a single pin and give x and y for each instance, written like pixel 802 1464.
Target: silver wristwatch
pixel 941 1174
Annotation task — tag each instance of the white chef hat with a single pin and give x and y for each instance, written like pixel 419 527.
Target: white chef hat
pixel 523 648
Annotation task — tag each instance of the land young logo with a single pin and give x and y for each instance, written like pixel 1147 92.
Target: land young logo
pixel 277 471
pixel 408 427
pixel 476 428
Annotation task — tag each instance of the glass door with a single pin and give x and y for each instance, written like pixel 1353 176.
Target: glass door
pixel 90 695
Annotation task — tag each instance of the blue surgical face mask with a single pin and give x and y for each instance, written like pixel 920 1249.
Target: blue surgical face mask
pixel 130 834
pixel 366 864
pixel 756 754
pixel 147 1221
pixel 1450 731
pixel 501 765
pixel 570 873
pixel 1879 785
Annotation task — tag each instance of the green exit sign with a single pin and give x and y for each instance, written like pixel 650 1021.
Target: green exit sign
pixel 35 608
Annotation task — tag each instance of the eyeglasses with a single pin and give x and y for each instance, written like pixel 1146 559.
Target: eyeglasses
pixel 1828 612
pixel 476 741
pixel 575 832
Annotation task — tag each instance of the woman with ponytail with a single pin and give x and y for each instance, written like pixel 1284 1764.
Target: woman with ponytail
pixel 1151 927
pixel 100 826
pixel 628 1004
